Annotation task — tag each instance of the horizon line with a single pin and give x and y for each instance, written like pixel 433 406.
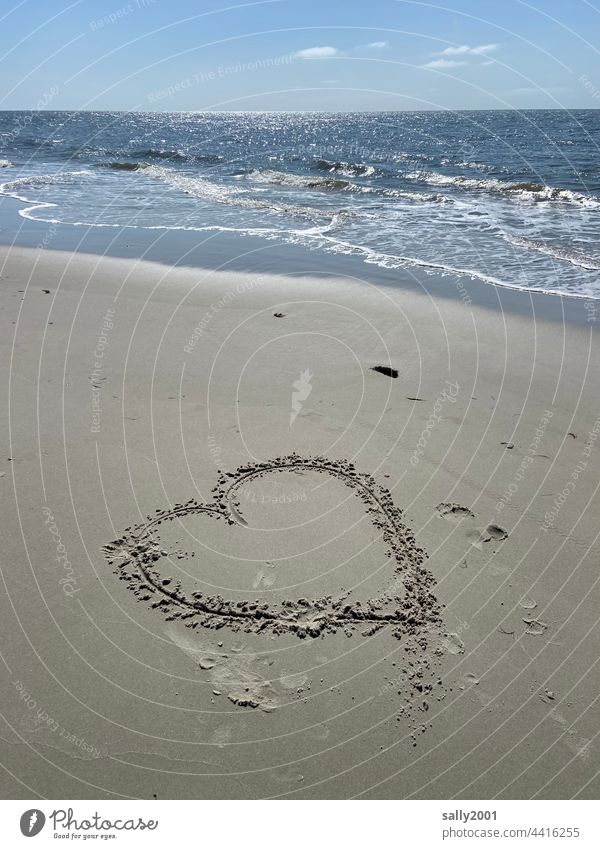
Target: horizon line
pixel 316 111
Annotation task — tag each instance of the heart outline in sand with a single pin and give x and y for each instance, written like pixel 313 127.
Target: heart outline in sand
pixel 135 554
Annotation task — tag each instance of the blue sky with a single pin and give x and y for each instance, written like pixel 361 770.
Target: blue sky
pixel 298 54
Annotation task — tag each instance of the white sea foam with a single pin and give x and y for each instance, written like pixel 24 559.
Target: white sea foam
pixel 14 189
pixel 476 166
pixel 523 191
pixel 302 181
pixel 372 229
pixel 391 261
pixel 577 258
pixel 37 181
pixel 269 175
pixel 346 169
pixel 208 190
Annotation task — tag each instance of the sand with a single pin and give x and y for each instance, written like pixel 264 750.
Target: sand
pixel 298 537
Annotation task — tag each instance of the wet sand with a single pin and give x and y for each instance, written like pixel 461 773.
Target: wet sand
pixel 295 537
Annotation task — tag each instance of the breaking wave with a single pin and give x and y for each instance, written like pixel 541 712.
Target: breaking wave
pixel 38 181
pixel 204 189
pixel 174 155
pixel 525 190
pixel 123 166
pixel 346 169
pixel 296 180
pixel 270 176
pixel 476 166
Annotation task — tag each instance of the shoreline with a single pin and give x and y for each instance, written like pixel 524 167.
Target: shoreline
pixel 254 255
pixel 131 384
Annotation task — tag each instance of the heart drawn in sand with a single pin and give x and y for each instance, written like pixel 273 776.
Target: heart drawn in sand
pixel 410 608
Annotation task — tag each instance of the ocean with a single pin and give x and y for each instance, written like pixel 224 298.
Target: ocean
pixel 504 197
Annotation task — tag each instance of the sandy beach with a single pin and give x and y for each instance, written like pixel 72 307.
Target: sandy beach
pixel 238 562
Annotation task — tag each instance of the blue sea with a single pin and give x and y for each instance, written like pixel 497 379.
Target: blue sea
pixel 504 197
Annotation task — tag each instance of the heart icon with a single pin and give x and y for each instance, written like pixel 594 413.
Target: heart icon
pixel 408 605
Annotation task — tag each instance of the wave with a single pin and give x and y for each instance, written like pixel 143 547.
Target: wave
pixel 68 152
pixel 198 187
pixel 476 166
pixel 391 261
pixel 38 181
pixel 6 163
pixel 123 166
pixel 318 227
pixel 157 153
pixel 402 194
pixel 300 181
pixel 524 190
pixel 565 254
pixel 139 158
pixel 412 157
pixel 421 196
pixel 13 188
pixel 346 169
pixel 205 189
pixel 297 180
pixel 173 155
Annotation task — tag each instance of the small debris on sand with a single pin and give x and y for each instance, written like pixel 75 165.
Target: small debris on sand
pixel 386 370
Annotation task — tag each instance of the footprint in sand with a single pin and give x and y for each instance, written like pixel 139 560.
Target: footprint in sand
pixel 454 512
pixel 233 675
pixel 453 644
pixel 320 732
pixel 470 682
pixel 580 746
pixel 295 681
pixel 263 581
pixel 535 627
pixel 480 536
pixel 221 736
pixel 547 696
pixel 244 685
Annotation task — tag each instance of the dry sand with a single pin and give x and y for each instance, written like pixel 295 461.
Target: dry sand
pixel 238 562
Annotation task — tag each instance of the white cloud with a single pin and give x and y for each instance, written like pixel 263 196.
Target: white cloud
pixel 444 63
pixel 489 62
pixel 377 45
pixel 317 53
pixel 465 50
